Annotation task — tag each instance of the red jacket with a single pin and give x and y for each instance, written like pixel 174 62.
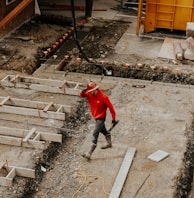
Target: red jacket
pixel 99 104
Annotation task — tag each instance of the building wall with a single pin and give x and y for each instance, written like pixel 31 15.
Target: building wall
pixel 5 9
pixel 24 15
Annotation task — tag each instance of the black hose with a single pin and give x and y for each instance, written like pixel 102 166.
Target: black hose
pixel 77 42
pixel 75 32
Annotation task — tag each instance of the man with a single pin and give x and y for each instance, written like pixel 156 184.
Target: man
pixel 98 103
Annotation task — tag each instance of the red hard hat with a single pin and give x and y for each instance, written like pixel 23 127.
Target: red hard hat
pixel 91 86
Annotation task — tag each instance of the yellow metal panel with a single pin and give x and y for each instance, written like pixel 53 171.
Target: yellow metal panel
pixel 184 3
pixel 183 14
pixel 166 2
pixel 165 16
pixel 164 24
pixel 149 23
pixel 170 14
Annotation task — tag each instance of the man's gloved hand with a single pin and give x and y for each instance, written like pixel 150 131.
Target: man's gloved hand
pixel 84 90
pixel 114 122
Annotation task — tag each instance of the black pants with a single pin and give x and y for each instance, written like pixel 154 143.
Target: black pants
pixel 99 128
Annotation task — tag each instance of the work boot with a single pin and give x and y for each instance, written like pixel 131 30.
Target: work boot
pixel 88 155
pixel 109 143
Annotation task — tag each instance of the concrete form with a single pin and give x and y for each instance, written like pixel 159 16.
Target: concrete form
pixel 12 172
pixel 27 138
pixel 40 84
pixel 33 108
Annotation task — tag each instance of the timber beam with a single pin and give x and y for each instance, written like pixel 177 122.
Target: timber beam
pixel 13 171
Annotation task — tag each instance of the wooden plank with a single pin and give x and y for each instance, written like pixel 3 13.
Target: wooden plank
pixel 37 137
pixel 15 78
pixel 2 164
pixel 34 144
pixel 77 85
pixel 12 173
pixel 121 177
pixel 73 92
pixel 31 132
pixel 7 131
pixel 5 100
pixel 44 85
pixel 15 85
pixel 10 140
pixel 24 172
pixel 63 84
pixel 51 137
pixel 45 88
pixel 40 81
pixel 18 142
pixel 13 132
pixel 32 112
pixel 7 78
pixel 60 109
pixel 48 106
pixel 6 181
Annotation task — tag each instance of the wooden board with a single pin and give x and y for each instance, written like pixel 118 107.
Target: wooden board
pixel 27 138
pixel 32 112
pixel 40 84
pixel 14 171
pixel 121 177
pixel 30 133
pixel 39 105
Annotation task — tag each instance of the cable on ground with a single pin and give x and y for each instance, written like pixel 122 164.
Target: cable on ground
pixel 85 176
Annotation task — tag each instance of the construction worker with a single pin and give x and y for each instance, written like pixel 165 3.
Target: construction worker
pixel 98 103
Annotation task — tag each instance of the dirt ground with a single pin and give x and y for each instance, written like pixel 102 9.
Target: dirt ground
pixel 157 116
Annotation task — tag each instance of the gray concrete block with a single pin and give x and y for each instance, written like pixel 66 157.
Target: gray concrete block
pixel 190 29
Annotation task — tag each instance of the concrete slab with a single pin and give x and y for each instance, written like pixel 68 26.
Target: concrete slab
pixel 158 155
pixel 132 44
pixel 123 171
pixel 167 50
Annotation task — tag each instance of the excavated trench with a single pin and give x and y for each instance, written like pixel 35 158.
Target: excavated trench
pixel 185 178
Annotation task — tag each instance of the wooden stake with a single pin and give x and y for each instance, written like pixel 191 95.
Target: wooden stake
pixel 5 100
pixel 29 134
pixel 48 106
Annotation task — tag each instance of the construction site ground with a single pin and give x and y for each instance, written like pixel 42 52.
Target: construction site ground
pixel 153 114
